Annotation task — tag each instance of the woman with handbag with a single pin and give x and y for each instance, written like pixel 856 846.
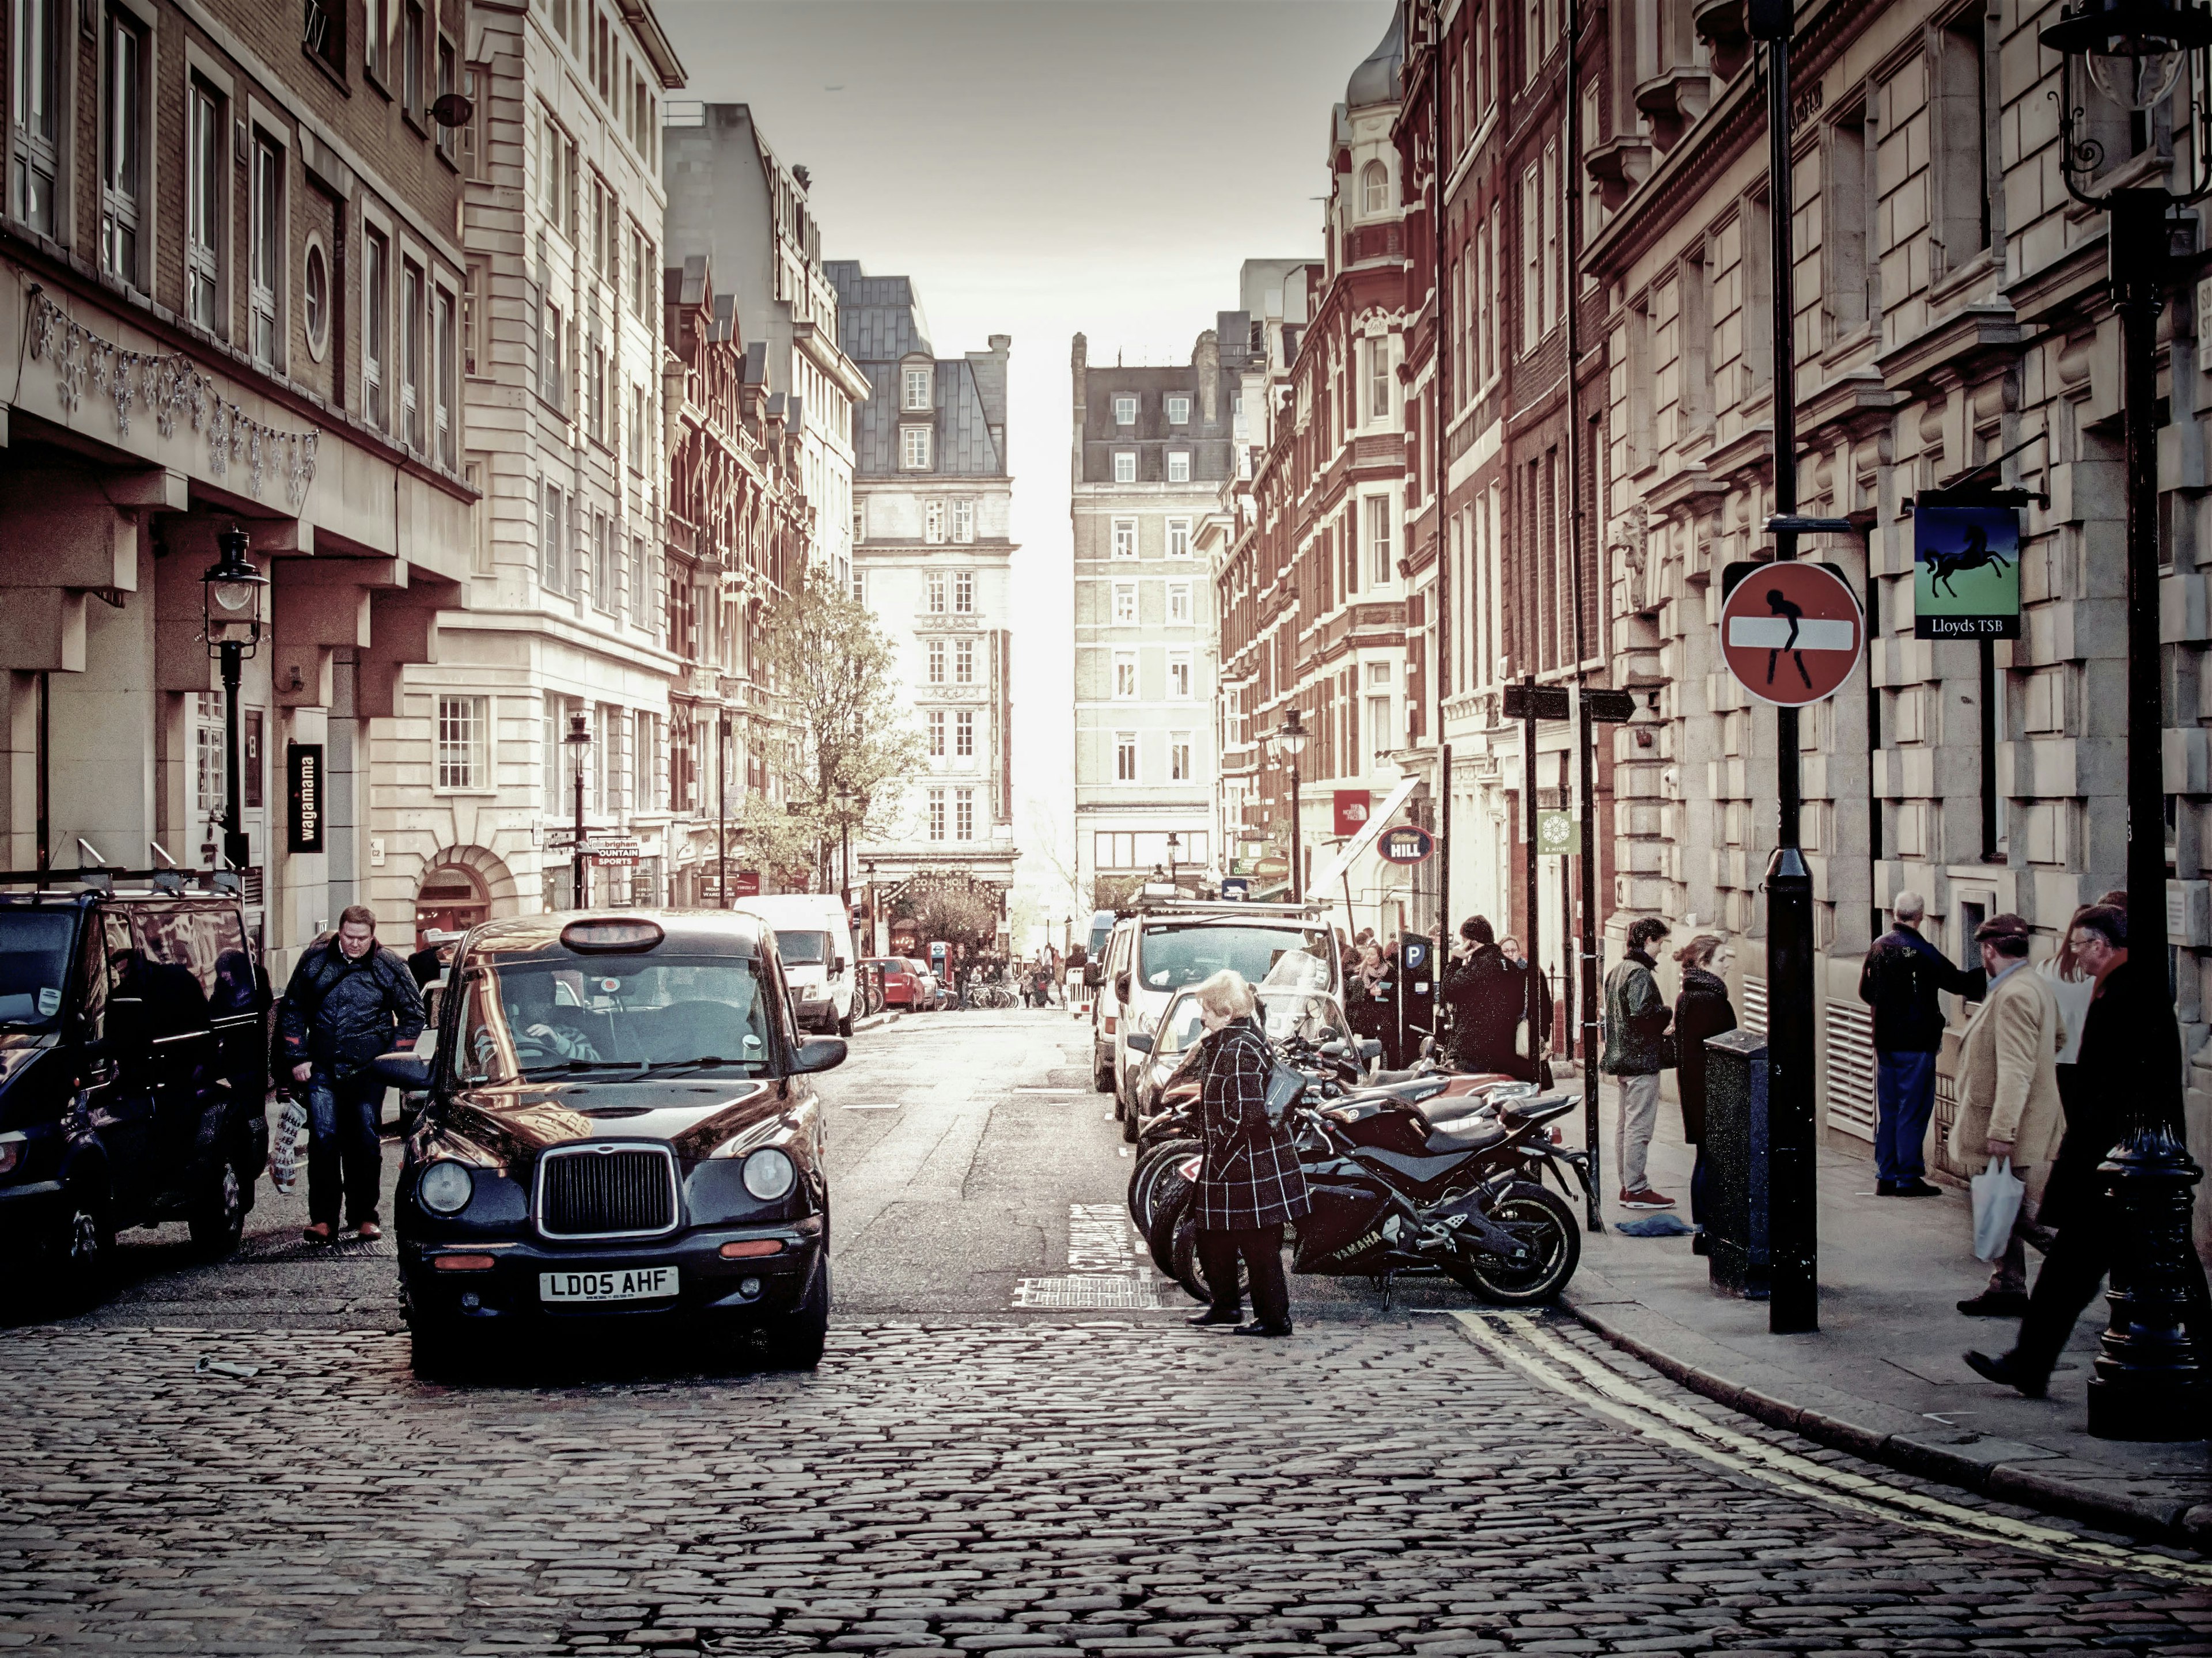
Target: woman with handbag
pixel 1702 1010
pixel 1250 1185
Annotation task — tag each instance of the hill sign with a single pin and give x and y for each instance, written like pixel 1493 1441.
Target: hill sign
pixel 1791 633
pixel 1405 845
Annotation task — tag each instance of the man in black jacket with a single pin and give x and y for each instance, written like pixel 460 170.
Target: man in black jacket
pixel 2118 1043
pixel 349 1000
pixel 1901 981
pixel 1489 998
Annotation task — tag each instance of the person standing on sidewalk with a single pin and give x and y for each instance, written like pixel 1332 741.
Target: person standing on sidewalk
pixel 1489 997
pixel 1636 1017
pixel 2077 1204
pixel 1701 1010
pixel 1901 979
pixel 349 1000
pixel 2009 1104
pixel 1251 1185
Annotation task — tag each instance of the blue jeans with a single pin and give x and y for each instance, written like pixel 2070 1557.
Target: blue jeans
pixel 342 1152
pixel 1905 1095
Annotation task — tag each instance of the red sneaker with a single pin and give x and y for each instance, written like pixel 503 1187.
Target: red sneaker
pixel 1645 1198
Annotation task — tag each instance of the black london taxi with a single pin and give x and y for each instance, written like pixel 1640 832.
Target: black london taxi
pixel 133 1068
pixel 619 1126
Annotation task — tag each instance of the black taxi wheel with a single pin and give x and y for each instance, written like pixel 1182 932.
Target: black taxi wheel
pixel 442 1350
pixel 218 1214
pixel 794 1340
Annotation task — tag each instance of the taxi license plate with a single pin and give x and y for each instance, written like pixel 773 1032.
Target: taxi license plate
pixel 627 1284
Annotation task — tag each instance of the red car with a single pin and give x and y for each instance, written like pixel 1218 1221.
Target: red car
pixel 900 988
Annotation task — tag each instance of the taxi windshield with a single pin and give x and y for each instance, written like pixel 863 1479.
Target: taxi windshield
pixel 34 947
pixel 539 1016
pixel 1181 1027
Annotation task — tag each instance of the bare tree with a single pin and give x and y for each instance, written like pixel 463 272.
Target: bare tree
pixel 833 670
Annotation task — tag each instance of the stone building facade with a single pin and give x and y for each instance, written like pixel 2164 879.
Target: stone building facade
pixel 731 198
pixel 933 560
pixel 561 348
pixel 1152 449
pixel 237 284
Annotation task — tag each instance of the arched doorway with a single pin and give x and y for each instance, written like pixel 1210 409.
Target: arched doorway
pixel 451 899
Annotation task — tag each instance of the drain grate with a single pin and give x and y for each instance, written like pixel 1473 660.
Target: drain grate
pixel 1074 1294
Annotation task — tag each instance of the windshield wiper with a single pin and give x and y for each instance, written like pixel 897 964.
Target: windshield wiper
pixel 568 1065
pixel 679 1068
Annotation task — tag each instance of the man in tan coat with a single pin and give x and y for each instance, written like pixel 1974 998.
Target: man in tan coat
pixel 2009 1096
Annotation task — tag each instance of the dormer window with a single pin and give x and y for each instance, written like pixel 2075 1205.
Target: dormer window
pixel 918 394
pixel 1125 411
pixel 1178 411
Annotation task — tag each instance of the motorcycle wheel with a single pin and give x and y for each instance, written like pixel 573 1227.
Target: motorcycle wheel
pixel 1550 1227
pixel 1172 1198
pixel 1144 1183
pixel 1189 1272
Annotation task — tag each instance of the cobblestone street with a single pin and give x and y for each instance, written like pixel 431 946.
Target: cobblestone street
pixel 1388 1481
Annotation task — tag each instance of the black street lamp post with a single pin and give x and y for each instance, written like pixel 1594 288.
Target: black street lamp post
pixel 849 798
pixel 579 742
pixel 722 811
pixel 1290 743
pixel 1174 845
pixel 233 590
pixel 2149 1382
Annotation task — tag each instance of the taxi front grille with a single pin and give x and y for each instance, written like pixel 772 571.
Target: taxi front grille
pixel 606 1191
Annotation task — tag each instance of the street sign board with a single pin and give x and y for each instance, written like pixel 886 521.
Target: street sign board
pixel 1966 572
pixel 303 816
pixel 1352 806
pixel 1236 887
pixel 1405 845
pixel 1558 834
pixel 1791 632
pixel 1606 707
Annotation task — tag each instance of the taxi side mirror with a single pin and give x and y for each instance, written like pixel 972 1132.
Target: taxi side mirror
pixel 405 1071
pixel 818 1053
pixel 1138 1042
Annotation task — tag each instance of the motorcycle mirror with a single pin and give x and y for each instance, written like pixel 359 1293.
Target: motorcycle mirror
pixel 1333 1048
pixel 1370 1048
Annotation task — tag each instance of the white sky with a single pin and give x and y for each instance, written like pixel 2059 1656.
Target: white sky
pixel 1042 168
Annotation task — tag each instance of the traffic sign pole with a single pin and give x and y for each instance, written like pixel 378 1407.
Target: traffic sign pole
pixel 1793 1230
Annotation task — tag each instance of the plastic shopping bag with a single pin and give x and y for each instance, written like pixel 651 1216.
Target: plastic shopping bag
pixel 284 1145
pixel 1997 1192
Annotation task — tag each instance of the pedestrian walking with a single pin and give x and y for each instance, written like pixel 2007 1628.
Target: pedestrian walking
pixel 1636 1017
pixel 2009 1104
pixel 1500 1010
pixel 1901 980
pixel 1702 1009
pixel 2077 1206
pixel 349 1000
pixel 1250 1185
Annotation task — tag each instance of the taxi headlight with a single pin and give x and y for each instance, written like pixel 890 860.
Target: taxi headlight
pixel 769 1174
pixel 445 1187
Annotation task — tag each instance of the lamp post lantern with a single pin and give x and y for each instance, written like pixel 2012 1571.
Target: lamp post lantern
pixel 232 590
pixel 580 741
pixel 2149 1382
pixel 1290 743
pixel 847 798
pixel 1174 845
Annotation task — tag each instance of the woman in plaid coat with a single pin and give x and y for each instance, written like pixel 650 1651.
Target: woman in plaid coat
pixel 1251 1183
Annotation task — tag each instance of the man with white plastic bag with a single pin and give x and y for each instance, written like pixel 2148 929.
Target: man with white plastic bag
pixel 2009 1114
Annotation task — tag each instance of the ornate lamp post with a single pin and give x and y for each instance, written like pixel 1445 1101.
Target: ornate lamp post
pixel 1290 743
pixel 847 798
pixel 580 741
pixel 722 810
pixel 2149 1383
pixel 1174 845
pixel 233 591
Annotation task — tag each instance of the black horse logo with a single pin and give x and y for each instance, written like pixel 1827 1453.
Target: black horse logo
pixel 1975 555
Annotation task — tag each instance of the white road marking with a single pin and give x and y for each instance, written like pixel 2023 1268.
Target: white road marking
pixel 873 1105
pixel 1104 1269
pixel 1771 633
pixel 1597 1387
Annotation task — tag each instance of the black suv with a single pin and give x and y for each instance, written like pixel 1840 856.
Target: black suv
pixel 133 1067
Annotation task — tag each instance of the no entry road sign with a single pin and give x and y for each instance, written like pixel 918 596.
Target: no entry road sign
pixel 1791 633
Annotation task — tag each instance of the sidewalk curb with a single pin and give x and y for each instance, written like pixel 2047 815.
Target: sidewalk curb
pixel 877 1021
pixel 2173 1522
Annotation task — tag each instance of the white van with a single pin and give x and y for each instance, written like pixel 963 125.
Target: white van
pixel 814 936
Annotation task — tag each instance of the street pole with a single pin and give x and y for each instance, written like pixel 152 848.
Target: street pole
pixel 235 852
pixel 2149 1382
pixel 1297 863
pixel 1792 1205
pixel 579 739
pixel 1532 1002
pixel 722 812
pixel 844 861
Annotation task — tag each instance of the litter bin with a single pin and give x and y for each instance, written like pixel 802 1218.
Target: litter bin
pixel 1737 1163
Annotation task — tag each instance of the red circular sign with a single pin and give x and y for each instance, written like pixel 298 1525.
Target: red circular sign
pixel 1792 633
pixel 1406 844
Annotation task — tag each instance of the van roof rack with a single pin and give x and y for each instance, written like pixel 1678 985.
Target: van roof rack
pixel 1223 906
pixel 69 882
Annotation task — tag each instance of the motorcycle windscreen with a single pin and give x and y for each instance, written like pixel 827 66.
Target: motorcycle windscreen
pixel 1343 1232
